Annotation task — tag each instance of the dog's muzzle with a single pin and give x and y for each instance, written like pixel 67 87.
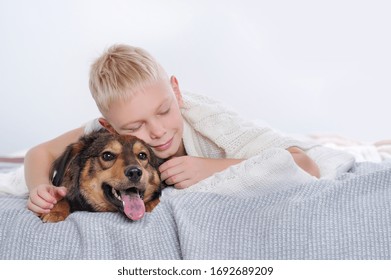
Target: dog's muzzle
pixel 129 195
pixel 134 174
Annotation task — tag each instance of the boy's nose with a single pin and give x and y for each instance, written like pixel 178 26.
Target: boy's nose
pixel 156 130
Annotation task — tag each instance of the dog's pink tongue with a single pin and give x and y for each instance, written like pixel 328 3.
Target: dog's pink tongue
pixel 134 207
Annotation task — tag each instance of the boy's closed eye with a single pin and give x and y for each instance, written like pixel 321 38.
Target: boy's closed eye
pixel 165 112
pixel 135 127
pixel 132 128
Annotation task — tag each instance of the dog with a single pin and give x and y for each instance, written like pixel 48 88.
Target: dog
pixel 106 172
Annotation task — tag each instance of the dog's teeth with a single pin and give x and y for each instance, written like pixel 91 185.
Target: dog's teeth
pixel 116 195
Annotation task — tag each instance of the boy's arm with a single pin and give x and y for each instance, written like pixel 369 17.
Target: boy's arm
pixel 185 171
pixel 37 164
pixel 304 161
pixel 182 172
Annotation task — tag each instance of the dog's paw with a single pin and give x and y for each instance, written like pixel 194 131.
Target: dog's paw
pixel 53 217
pixel 58 213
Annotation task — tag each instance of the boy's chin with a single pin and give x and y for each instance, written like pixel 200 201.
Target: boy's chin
pixel 169 153
pixel 164 154
pixel 176 149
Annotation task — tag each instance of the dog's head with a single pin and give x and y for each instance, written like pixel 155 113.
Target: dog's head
pixel 108 172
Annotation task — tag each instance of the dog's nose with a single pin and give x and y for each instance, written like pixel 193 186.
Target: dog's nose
pixel 133 173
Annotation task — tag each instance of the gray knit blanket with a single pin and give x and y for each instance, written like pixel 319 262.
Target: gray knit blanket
pixel 346 218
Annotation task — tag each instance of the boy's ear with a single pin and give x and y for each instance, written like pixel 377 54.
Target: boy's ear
pixel 103 122
pixel 177 91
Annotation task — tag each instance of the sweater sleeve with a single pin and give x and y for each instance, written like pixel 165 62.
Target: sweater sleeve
pixel 209 122
pixel 237 137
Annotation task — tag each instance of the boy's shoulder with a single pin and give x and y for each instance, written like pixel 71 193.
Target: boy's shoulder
pixel 191 99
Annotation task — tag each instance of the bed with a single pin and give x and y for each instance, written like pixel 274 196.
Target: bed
pixel 300 218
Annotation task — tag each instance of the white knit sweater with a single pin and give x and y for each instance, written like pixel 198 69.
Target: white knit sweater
pixel 213 131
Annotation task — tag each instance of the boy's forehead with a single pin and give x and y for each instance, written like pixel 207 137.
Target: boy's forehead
pixel 152 94
pixel 140 103
pixel 160 87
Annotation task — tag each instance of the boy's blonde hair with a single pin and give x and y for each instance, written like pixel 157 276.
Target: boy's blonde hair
pixel 119 72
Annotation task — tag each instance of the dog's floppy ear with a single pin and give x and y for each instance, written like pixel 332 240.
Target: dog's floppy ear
pixel 62 164
pixel 65 162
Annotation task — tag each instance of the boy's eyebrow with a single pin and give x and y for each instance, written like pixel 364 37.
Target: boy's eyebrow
pixel 127 124
pixel 167 100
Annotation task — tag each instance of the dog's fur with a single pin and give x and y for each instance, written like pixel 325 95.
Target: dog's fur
pixel 100 168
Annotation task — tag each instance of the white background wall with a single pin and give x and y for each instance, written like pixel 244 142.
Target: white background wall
pixel 301 66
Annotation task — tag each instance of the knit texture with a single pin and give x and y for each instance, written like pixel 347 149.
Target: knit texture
pixel 209 125
pixel 212 130
pixel 346 218
pixel 273 169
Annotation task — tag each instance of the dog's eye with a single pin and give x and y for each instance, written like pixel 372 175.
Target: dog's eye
pixel 142 156
pixel 107 156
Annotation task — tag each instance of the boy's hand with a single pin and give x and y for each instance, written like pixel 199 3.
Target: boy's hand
pixel 182 172
pixel 304 161
pixel 43 197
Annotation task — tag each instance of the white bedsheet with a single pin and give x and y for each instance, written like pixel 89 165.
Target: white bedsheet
pixel 362 151
pixel 12 182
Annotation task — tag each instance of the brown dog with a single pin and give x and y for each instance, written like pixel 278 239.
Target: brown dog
pixel 104 172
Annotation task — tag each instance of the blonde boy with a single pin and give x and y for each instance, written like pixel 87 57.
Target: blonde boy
pixel 197 135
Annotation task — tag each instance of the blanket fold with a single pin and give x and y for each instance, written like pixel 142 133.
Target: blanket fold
pixel 346 218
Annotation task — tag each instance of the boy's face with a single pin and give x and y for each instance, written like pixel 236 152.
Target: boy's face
pixel 152 115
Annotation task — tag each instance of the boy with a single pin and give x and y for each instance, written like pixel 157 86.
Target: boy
pixel 197 135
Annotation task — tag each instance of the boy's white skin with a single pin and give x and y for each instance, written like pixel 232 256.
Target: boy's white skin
pixel 153 115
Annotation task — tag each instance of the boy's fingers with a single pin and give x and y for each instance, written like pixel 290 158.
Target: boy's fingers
pixel 39 209
pixel 43 204
pixel 47 195
pixel 50 195
pixel 61 192
pixel 173 171
pixel 164 167
pixel 170 164
pixel 183 185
